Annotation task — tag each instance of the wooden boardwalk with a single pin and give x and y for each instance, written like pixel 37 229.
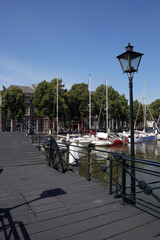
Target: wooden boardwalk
pixel 39 203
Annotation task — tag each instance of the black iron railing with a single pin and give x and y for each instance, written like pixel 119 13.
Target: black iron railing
pixel 114 170
pixel 111 169
pixel 47 144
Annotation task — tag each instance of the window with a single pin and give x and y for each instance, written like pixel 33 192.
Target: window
pixel 27 99
pixel 45 126
pixel 35 123
pixel 27 111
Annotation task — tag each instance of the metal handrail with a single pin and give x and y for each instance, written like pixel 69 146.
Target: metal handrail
pixel 119 182
pixel 115 167
pixel 53 157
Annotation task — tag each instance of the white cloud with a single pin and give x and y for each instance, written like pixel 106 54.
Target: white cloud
pixel 16 72
pixel 7 81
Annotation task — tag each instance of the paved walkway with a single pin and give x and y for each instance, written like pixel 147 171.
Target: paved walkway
pixel 39 203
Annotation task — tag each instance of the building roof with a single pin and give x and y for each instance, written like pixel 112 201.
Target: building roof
pixel 26 89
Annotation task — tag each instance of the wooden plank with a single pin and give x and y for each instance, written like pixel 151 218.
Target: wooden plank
pixel 103 227
pixel 148 231
pixel 38 202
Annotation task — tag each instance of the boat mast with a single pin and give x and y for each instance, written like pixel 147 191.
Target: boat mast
pixel 57 104
pixel 145 109
pixel 106 104
pixel 89 102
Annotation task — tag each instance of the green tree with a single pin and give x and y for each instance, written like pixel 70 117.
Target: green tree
pixel 77 96
pixel 117 104
pixel 114 100
pixel 98 100
pixel 124 108
pixel 155 108
pixel 138 112
pixel 62 97
pixel 13 103
pixel 45 99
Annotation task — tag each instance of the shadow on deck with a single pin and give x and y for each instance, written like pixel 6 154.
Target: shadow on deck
pixel 37 202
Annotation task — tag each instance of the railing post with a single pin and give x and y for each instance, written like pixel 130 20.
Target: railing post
pixel 116 194
pixel 39 143
pixel 124 180
pixel 89 165
pixel 32 138
pixel 111 174
pixel 51 153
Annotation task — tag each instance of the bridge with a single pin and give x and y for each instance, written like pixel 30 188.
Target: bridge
pixel 38 202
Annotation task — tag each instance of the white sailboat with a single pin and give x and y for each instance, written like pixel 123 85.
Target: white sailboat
pixel 81 141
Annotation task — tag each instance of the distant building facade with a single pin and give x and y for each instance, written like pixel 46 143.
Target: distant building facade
pixel 5 123
pixel 64 125
pixel 41 124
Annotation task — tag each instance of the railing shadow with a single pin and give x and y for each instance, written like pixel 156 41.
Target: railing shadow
pixel 16 230
pixel 10 228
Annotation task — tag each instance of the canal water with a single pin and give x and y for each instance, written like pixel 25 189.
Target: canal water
pixel 146 150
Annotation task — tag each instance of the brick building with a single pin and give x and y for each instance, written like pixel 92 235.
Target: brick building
pixel 5 123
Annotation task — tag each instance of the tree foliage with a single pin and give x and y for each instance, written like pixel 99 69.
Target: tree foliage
pixel 45 98
pixel 62 97
pixel 117 104
pixel 76 99
pixel 155 108
pixel 98 100
pixel 73 102
pixel 138 111
pixel 13 102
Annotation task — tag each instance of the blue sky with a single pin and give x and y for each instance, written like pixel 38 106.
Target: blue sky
pixel 75 38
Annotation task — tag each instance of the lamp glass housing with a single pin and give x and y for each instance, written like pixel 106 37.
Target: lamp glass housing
pixel 130 60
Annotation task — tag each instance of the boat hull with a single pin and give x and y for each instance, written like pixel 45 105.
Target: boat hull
pixel 82 142
pixel 101 143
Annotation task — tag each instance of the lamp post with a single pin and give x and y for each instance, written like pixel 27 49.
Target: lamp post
pixel 129 61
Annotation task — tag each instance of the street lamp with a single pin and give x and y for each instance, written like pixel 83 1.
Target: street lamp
pixel 129 61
